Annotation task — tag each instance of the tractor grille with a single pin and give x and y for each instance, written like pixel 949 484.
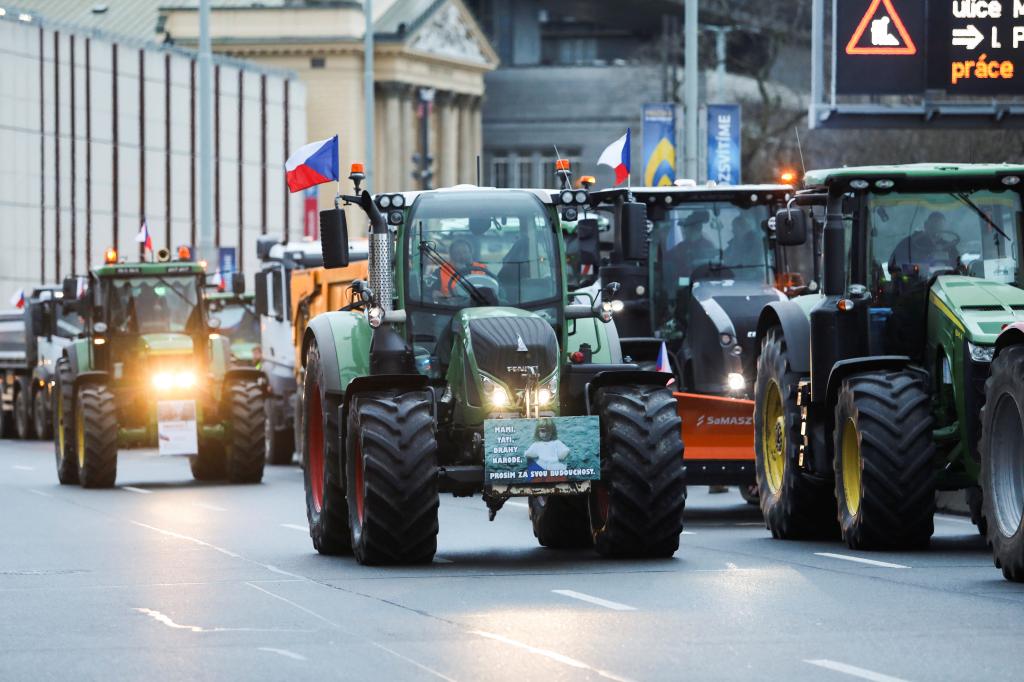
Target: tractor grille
pixel 495 342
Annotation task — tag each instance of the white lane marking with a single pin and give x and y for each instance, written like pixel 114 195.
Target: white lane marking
pixel 442 560
pixel 860 560
pixel 283 652
pixel 295 526
pixel 853 670
pixel 39 492
pixel 187 538
pixel 751 523
pixel 22 467
pixel 300 607
pixel 164 619
pixel 552 655
pixel 204 505
pixel 415 663
pixel 132 488
pixel 731 566
pixel 513 503
pixel 614 605
pixel 956 519
pixel 689 532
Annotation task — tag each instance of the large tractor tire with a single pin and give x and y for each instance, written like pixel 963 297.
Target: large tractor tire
pixel 636 509
pixel 391 478
pixel 561 521
pixel 209 464
pixel 96 437
pixel 885 477
pixel 244 449
pixel 1002 461
pixel 795 506
pixel 42 420
pixel 22 419
pixel 975 505
pixel 326 507
pixel 280 443
pixel 64 437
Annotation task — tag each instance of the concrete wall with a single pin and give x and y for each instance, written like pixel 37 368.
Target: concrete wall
pixel 58 184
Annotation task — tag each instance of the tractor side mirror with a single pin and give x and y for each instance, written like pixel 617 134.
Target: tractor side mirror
pixel 263 246
pixel 589 246
pixel 70 288
pixel 260 302
pixel 238 283
pixel 37 316
pixel 791 227
pixel 633 230
pixel 334 238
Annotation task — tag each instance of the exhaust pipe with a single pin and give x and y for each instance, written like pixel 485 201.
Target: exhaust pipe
pixel 382 278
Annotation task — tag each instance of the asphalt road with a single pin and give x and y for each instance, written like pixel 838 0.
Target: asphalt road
pixel 164 578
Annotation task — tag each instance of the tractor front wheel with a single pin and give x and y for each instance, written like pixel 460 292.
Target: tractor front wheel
pixel 636 509
pixel 64 436
pixel 96 437
pixel 22 423
pixel 326 508
pixel 391 478
pixel 42 421
pixel 561 521
pixel 794 505
pixel 885 480
pixel 244 448
pixel 1002 461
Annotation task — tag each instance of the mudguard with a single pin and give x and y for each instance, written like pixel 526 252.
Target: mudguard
pixel 242 374
pixel 344 342
pixel 628 375
pixel 845 368
pixel 1012 335
pixel 78 356
pixel 796 327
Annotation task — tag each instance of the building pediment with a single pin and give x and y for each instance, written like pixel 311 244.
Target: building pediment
pixel 450 31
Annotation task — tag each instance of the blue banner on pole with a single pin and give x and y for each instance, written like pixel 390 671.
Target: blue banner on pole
pixel 659 144
pixel 724 144
pixel 226 260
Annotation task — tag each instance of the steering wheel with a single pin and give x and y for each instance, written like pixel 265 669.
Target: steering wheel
pixel 954 241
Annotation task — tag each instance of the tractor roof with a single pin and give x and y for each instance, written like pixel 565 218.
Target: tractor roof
pixel 693 193
pixel 143 269
pixel 915 173
pixel 229 297
pixel 410 196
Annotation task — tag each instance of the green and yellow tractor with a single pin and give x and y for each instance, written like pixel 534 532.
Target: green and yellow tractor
pixel 467 366
pixel 150 369
pixel 869 394
pixel 239 322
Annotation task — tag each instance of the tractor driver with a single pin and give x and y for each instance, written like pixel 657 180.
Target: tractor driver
pixel 926 247
pixel 746 248
pixel 460 264
pixel 694 251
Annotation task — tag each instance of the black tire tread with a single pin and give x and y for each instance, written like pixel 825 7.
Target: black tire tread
pixel 245 449
pixel 42 421
pixel 561 521
pixel 67 461
pixel 22 426
pixel 99 418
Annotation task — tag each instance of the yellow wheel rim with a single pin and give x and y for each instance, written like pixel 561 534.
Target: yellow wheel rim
pixel 80 434
pixel 851 467
pixel 60 424
pixel 773 437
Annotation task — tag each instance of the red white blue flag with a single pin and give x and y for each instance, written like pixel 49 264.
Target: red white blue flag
pixel 616 156
pixel 18 299
pixel 313 164
pixel 663 364
pixel 143 237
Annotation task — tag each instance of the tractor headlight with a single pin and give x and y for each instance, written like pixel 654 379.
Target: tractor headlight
pixel 981 353
pixel 581 197
pixel 736 381
pixel 498 396
pixel 185 379
pixel 163 381
pixel 168 379
pixel 384 201
pixel 566 197
pixel 398 201
pixel 544 395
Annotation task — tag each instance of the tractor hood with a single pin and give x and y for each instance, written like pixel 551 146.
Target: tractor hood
pixel 980 307
pixel 510 344
pixel 165 344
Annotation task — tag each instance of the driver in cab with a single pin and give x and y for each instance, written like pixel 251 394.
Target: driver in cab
pixel 926 247
pixel 694 251
pixel 460 264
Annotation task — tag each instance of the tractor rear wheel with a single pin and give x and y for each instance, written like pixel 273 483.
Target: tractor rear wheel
pixel 636 509
pixel 64 436
pixel 1002 461
pixel 22 422
pixel 561 521
pixel 96 437
pixel 42 420
pixel 794 505
pixel 391 478
pixel 326 508
pixel 885 478
pixel 209 464
pixel 244 448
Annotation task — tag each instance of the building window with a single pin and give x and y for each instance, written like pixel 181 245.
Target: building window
pixel 525 178
pixel 317 62
pixel 499 171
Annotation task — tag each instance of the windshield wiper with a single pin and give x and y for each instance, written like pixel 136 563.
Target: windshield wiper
pixel 966 200
pixel 442 262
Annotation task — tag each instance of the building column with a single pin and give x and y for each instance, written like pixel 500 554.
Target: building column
pixel 407 142
pixel 389 153
pixel 476 125
pixel 447 142
pixel 467 157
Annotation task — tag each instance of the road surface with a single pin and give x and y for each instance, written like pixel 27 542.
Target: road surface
pixel 165 578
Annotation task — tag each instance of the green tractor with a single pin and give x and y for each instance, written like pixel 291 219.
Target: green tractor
pixel 869 395
pixel 151 370
pixel 466 366
pixel 239 322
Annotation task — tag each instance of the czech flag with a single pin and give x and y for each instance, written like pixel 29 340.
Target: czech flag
pixel 143 237
pixel 18 299
pixel 616 155
pixel 313 164
pixel 663 364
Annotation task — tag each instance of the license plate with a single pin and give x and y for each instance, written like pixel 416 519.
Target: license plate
pixel 176 429
pixel 545 451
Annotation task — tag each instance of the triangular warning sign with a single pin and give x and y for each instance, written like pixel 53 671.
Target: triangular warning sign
pixel 882 36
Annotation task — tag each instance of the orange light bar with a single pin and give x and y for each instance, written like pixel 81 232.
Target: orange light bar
pixel 358 168
pixel 562 165
pixel 787 177
pixel 588 180
pixel 110 256
pixel 184 253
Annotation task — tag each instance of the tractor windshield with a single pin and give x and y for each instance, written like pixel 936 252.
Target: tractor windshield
pixel 917 235
pixel 238 321
pixel 481 248
pixel 144 305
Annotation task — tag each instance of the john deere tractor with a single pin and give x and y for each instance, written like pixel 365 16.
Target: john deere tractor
pixel 151 370
pixel 868 395
pixel 239 322
pixel 466 366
